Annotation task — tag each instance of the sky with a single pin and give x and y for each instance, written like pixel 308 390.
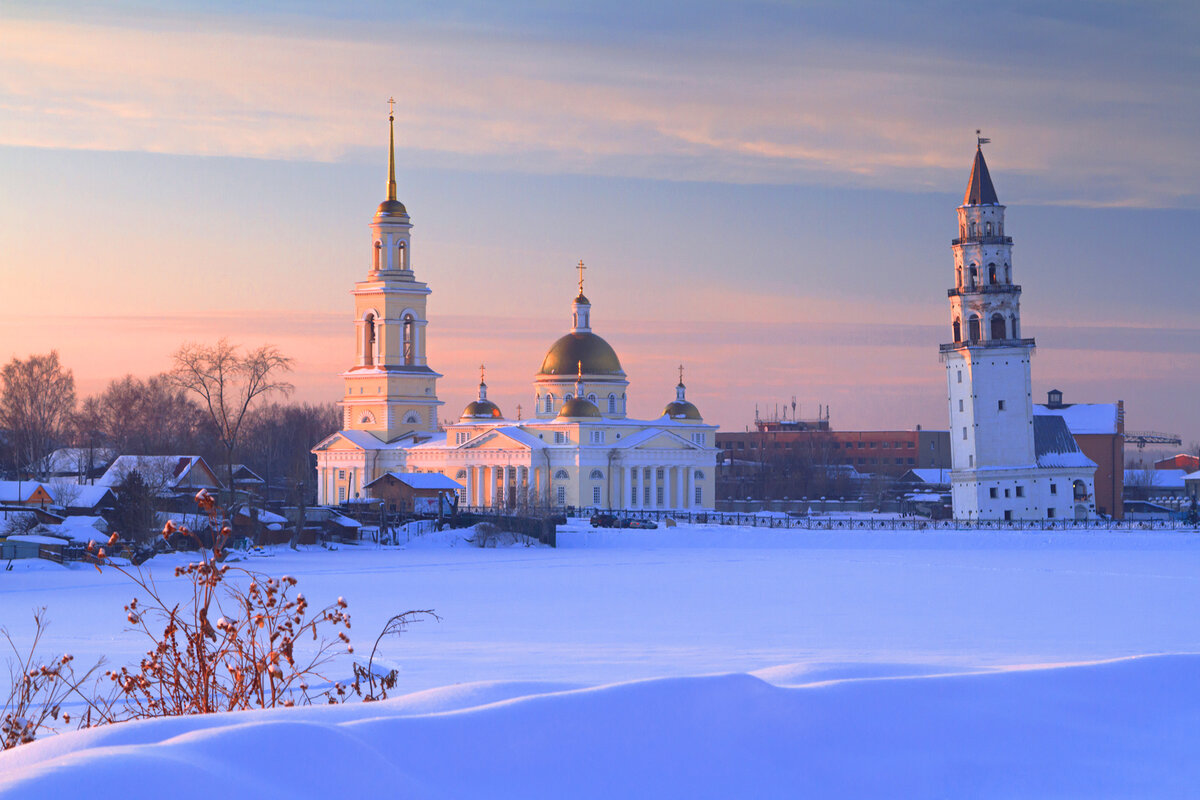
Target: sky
pixel 764 192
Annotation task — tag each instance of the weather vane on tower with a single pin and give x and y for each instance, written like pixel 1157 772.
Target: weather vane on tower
pixel 979 140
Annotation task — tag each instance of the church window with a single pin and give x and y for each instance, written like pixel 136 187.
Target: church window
pixel 562 495
pixel 412 418
pixel 973 328
pixel 973 275
pixel 341 474
pixel 612 404
pixel 992 492
pixel 560 437
pixel 378 253
pixel 646 495
pixel 699 475
pixel 592 399
pixel 596 475
pixel 595 495
pixel 970 460
pixel 597 437
pixel 1007 493
pixel 960 376
pixel 549 403
pixel 461 475
pixel 658 495
pixel 341 494
pixel 698 438
pixel 998 327
pixel 410 343
pixel 972 228
pixel 568 397
pixel 699 495
pixel 660 473
pixel 989 229
pixel 461 438
pixel 562 475
pixel 957 330
pixel 991 273
pixel 402 256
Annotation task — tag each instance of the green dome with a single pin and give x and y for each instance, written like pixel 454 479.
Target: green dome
pixel 578 408
pixel 588 349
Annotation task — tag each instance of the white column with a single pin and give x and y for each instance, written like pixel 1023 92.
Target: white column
pixel 468 498
pixel 481 472
pixel 691 487
pixel 627 482
pixel 642 487
pixel 667 487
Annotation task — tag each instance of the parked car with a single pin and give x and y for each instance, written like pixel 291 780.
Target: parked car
pixel 604 521
pixel 643 524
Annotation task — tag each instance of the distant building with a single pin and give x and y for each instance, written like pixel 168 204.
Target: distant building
pixel 1008 463
pixel 1182 461
pixel 1099 430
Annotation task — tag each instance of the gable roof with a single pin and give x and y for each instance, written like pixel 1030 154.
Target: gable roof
pixel 421 480
pixel 361 439
pixel 516 434
pixel 643 436
pixel 22 491
pixel 1054 445
pixel 88 496
pixel 173 471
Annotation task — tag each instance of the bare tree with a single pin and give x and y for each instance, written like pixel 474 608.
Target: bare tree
pixel 227 383
pixel 37 400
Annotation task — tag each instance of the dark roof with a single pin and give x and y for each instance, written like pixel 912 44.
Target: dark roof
pixel 980 191
pixel 1054 445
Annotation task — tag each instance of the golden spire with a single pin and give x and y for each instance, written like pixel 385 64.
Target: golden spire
pixel 391 148
pixel 579 375
pixel 581 269
pixel 681 374
pixel 481 371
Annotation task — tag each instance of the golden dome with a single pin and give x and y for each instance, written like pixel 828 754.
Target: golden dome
pixel 391 208
pixel 683 410
pixel 482 409
pixel 577 408
pixel 585 351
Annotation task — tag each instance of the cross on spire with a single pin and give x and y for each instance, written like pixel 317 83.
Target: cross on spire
pixel 681 374
pixel 482 368
pixel 581 268
pixel 391 195
pixel 392 109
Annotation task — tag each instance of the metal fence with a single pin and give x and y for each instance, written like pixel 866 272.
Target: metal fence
pixel 823 523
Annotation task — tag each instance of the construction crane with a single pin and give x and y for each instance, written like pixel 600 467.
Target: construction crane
pixel 1143 438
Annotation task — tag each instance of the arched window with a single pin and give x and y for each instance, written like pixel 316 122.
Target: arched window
pixel 378 254
pixel 461 475
pixel 401 256
pixel 991 273
pixel 957 330
pixel 410 340
pixel 699 475
pixel 1007 274
pixel 612 404
pixel 412 418
pixel 989 229
pixel 562 475
pixel 973 328
pixel 596 475
pixel 592 399
pixel 549 403
pixel 1080 490
pixel 972 228
pixel 998 327
pixel 973 276
pixel 369 340
pixel 1016 327
pixel 568 397
pixel 367 419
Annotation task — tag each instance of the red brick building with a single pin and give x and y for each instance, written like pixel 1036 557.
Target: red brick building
pixel 1099 430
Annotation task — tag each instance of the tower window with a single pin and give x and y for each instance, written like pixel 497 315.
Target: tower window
pixel 378 254
pixel 973 328
pixel 369 341
pixel 960 404
pixel 999 405
pixel 612 404
pixel 960 376
pixel 992 273
pixel 964 433
pixel 989 229
pixel 410 345
pixel 549 403
pixel 973 274
pixel 957 330
pixel 402 256
pixel 998 327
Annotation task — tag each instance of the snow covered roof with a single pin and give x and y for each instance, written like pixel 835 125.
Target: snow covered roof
pixel 79 529
pixel 423 480
pixel 73 460
pixel 1195 476
pixel 1054 445
pixel 21 491
pixel 930 475
pixel 172 471
pixel 1155 478
pixel 923 497
pixel 1083 418
pixel 264 516
pixel 34 538
pixel 86 496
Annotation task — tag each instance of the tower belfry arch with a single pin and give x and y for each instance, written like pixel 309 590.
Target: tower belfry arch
pixel 390 390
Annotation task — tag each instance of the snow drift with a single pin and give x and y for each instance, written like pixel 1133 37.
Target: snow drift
pixel 1128 727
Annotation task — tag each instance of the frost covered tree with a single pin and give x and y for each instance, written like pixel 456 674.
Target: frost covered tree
pixel 37 400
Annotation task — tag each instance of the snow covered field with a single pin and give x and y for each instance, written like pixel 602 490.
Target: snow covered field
pixel 885 664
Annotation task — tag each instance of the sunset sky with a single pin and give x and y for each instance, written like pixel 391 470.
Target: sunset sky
pixel 764 192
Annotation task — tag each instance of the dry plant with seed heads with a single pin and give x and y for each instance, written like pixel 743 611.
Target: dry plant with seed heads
pixel 38 690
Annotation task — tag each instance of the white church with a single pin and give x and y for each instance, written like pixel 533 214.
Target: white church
pixel 1008 464
pixel 578 449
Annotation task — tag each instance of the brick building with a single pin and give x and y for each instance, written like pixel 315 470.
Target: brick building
pixel 1099 430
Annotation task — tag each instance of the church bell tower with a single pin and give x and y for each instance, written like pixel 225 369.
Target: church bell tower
pixel 390 390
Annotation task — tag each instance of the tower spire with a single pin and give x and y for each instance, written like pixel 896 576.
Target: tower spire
pixel 391 195
pixel 581 269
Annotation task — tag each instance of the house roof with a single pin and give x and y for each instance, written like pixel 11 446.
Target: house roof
pixel 1155 478
pixel 87 496
pixel 930 475
pixel 70 460
pixel 171 469
pixel 1054 445
pixel 21 491
pixel 1083 418
pixel 422 480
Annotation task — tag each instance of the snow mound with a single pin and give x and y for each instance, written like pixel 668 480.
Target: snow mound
pixel 1121 728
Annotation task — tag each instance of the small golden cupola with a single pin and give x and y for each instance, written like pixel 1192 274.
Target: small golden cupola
pixel 681 409
pixel 482 408
pixel 579 407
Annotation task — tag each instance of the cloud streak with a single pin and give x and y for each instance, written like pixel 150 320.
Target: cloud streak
pixel 794 103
